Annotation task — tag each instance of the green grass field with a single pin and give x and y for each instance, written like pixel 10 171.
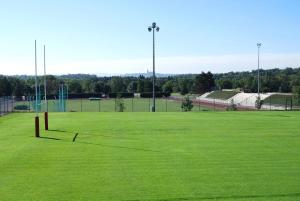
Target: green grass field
pixel 109 105
pixel 230 156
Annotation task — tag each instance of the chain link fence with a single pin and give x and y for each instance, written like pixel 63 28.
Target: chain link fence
pixel 97 104
pixel 272 103
pixel 138 104
pixel 6 105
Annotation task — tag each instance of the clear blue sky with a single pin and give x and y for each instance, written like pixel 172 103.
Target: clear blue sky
pixel 111 37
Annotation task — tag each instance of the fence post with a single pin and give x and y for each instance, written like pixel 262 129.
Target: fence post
pixel 131 104
pixel 115 104
pixel 6 104
pixel 12 104
pixel 181 104
pixel 285 103
pixel 214 104
pixel 166 105
pixel 292 103
pixel 81 104
pixel 149 106
pixel 28 100
pixel 270 102
pixel 99 105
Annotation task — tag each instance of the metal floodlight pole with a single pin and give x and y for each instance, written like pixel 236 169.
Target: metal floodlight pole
pixel 37 129
pixel 153 28
pixel 258 65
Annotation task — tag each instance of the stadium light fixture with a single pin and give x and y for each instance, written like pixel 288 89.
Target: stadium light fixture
pixel 153 28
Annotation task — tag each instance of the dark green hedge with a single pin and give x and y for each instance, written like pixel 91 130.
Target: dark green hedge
pixel 157 95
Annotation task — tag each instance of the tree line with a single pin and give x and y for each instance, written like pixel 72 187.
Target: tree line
pixel 274 80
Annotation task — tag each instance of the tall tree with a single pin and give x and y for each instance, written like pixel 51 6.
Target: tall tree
pixel 204 82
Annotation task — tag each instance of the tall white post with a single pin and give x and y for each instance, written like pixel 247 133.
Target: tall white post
pixel 45 79
pixel 36 83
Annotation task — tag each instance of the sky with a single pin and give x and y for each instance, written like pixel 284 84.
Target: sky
pixel 110 37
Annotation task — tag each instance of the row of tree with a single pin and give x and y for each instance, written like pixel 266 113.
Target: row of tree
pixel 19 86
pixel 274 80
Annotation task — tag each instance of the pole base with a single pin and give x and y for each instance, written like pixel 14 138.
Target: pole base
pixel 46 120
pixel 152 108
pixel 37 127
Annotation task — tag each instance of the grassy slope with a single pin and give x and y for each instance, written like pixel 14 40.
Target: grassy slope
pixel 223 95
pixel 142 156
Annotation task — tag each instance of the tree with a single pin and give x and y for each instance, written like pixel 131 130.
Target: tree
pixel 140 84
pixel 52 84
pixel 99 87
pixel 203 83
pixel 296 91
pixel 75 87
pixel 117 85
pixel 88 86
pixel 285 84
pixel 106 89
pixel 225 84
pixel 5 86
pixel 187 104
pixel 132 87
pixel 18 87
pixel 168 87
pixel 184 86
pixel 148 86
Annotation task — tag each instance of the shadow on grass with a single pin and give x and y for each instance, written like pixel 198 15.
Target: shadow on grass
pixel 224 197
pixel 119 147
pixel 49 138
pixel 56 130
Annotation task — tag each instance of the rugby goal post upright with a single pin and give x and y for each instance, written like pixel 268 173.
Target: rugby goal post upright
pixel 45 91
pixel 36 122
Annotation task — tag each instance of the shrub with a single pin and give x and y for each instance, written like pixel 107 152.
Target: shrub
pixel 157 95
pixel 121 95
pixel 232 106
pixel 21 107
pixel 120 104
pixel 258 103
pixel 187 104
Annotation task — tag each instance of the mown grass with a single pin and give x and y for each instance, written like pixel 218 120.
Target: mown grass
pixel 110 105
pixel 283 100
pixel 223 95
pixel 152 156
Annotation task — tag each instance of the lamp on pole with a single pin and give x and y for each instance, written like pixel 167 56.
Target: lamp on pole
pixel 258 79
pixel 153 28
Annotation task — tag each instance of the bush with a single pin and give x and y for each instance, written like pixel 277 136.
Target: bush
pixel 120 105
pixel 121 95
pixel 157 95
pixel 187 104
pixel 232 106
pixel 258 103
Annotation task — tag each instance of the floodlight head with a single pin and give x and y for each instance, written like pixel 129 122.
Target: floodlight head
pixel 153 25
pixel 157 29
pixel 258 44
pixel 149 29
